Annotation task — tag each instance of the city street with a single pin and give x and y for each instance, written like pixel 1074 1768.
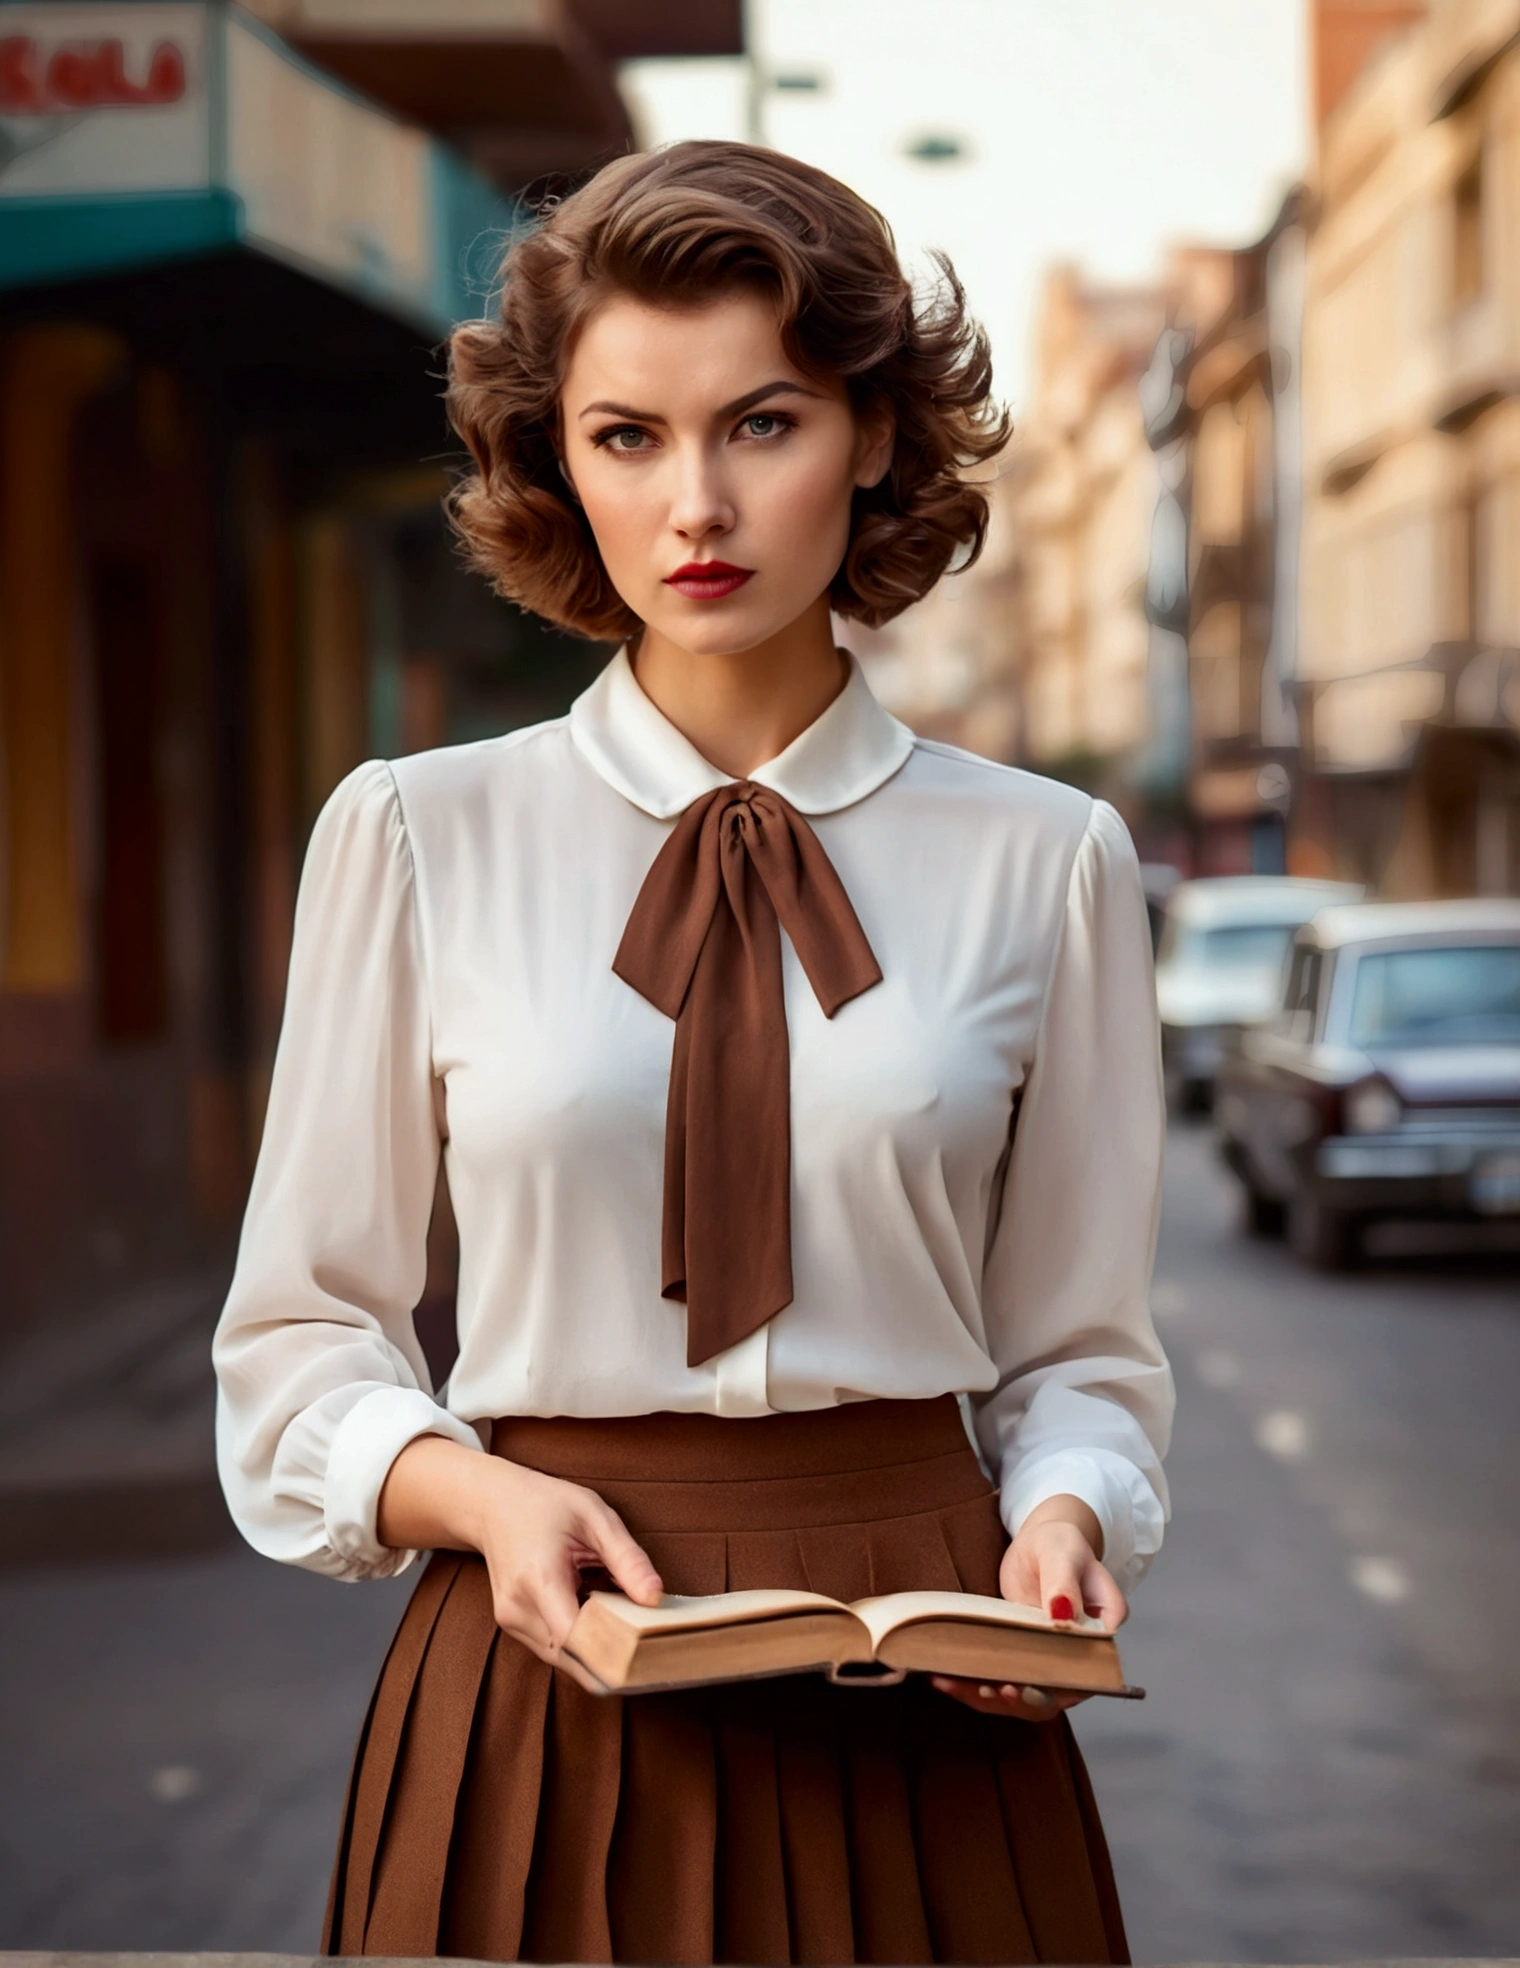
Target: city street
pixel 1327 1767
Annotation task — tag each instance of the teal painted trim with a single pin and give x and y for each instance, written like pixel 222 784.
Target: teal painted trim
pixel 473 224
pixel 64 238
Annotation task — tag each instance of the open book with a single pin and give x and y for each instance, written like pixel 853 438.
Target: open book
pixel 616 1647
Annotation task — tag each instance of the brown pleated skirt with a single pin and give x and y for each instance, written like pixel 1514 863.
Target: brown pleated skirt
pixel 498 1811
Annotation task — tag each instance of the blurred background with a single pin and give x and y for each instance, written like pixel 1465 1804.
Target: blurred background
pixel 1252 278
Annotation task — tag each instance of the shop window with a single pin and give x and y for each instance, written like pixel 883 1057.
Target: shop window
pixel 1467 233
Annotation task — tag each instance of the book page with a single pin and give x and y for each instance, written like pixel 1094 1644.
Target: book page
pixel 680 1614
pixel 882 1615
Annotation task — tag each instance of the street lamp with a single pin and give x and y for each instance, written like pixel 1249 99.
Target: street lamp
pixel 762 81
pixel 936 147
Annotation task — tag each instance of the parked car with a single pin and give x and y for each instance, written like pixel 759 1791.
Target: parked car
pixel 1388 1084
pixel 1219 966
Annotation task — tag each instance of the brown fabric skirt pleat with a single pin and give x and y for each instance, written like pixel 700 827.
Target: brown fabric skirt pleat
pixel 498 1811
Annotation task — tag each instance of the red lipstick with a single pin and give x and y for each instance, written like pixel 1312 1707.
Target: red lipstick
pixel 707 580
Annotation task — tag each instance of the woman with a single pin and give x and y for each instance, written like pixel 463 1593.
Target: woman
pixel 793 1077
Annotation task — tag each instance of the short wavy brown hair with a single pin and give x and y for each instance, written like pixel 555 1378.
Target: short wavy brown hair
pixel 679 226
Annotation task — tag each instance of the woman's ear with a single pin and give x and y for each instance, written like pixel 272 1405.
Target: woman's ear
pixel 873 451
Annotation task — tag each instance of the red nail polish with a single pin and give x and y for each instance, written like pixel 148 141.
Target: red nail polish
pixel 1060 1607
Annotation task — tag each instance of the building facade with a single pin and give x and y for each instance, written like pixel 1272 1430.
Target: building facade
pixel 1410 637
pixel 1038 652
pixel 1082 490
pixel 1223 414
pixel 225 577
pixel 1065 646
pixel 1254 565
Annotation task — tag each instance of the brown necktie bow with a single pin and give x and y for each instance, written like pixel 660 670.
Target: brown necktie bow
pixel 703 945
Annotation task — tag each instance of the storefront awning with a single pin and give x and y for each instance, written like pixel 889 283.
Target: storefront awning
pixel 135 134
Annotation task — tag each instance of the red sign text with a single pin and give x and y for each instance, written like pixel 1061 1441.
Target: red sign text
pixel 38 80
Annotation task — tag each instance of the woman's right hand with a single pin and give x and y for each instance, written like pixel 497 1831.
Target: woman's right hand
pixel 535 1533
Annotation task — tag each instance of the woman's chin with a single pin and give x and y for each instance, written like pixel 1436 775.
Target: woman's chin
pixel 719 633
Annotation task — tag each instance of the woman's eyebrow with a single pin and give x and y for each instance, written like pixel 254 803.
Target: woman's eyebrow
pixel 782 388
pixel 734 409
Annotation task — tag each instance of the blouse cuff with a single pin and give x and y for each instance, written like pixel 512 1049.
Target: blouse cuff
pixel 1128 1511
pixel 368 1440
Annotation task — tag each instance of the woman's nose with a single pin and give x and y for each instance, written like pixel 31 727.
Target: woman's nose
pixel 702 504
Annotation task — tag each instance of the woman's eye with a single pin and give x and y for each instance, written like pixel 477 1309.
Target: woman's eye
pixel 622 437
pixel 766 423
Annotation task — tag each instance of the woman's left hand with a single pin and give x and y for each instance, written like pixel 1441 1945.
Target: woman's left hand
pixel 1053 1563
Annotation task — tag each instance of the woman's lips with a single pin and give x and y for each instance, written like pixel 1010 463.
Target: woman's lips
pixel 707 580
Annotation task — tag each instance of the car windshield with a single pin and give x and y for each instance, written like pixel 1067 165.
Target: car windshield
pixel 1232 946
pixel 1460 996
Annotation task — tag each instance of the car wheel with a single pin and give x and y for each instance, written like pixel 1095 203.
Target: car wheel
pixel 1328 1238
pixel 1265 1215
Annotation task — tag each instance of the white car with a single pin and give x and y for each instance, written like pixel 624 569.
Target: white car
pixel 1219 966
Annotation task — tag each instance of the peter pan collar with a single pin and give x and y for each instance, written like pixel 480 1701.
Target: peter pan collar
pixel 844 755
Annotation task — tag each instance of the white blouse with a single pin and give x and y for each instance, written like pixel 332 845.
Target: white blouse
pixel 451 990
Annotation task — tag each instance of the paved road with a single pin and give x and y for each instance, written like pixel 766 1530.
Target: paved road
pixel 1328 1765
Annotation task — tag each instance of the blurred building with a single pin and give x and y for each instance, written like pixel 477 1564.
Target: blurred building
pixel 1038 652
pixel 1081 488
pixel 1411 599
pixel 1066 646
pixel 1345 36
pixel 226 262
pixel 519 87
pixel 949 666
pixel 1222 401
pixel 1254 570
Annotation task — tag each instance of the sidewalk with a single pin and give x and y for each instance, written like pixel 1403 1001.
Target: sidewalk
pixel 106 1436
pixel 22 1960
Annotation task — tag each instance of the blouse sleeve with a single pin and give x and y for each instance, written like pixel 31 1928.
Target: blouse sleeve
pixel 321 1380
pixel 1083 1401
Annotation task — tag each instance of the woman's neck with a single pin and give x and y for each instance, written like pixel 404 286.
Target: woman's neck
pixel 742 710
